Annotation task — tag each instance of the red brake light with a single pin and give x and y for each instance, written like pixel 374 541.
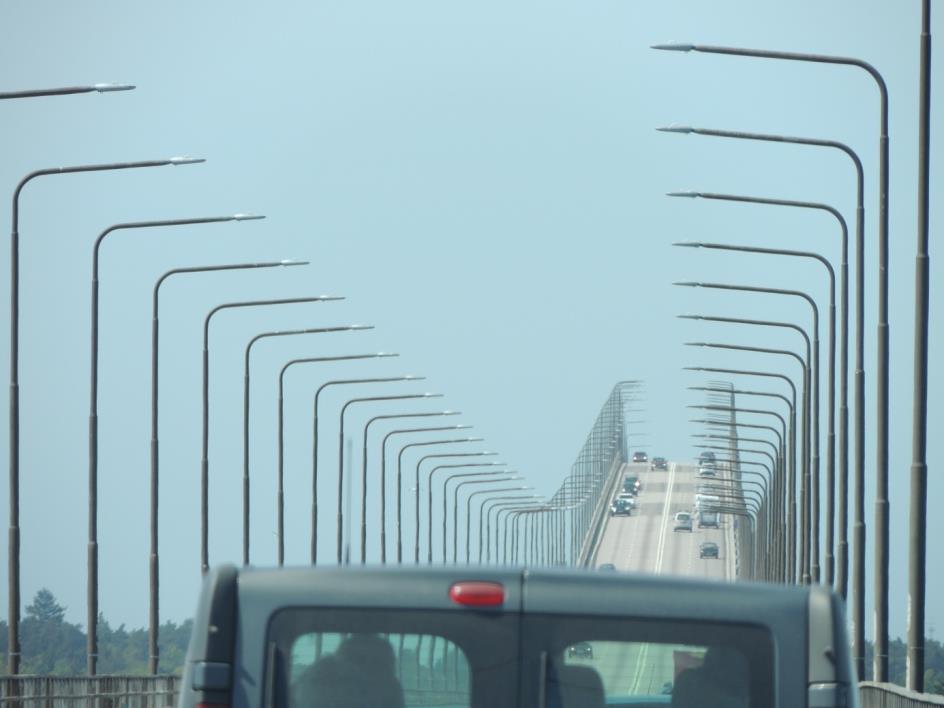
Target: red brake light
pixel 477 593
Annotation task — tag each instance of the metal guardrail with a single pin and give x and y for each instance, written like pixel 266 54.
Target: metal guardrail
pixel 94 691
pixel 890 695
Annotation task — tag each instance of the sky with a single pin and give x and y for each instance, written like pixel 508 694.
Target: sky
pixel 483 183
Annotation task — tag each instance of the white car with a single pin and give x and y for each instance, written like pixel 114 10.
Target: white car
pixel 683 521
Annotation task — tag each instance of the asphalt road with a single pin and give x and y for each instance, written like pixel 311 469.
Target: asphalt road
pixel 646 542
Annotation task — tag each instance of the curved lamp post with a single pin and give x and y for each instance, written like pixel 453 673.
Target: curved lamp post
pixel 310 360
pixel 205 460
pixel 455 508
pixel 805 418
pixel 791 564
pixel 153 613
pixel 383 479
pixel 429 489
pixel 859 434
pixel 314 446
pixel 461 475
pixel 881 501
pixel 280 503
pixel 13 628
pixel 831 369
pixel 92 615
pixel 816 378
pixel 383 463
pixel 366 399
pixel 484 516
pixel 416 490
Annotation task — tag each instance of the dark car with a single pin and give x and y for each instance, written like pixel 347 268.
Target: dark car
pixel 640 456
pixel 708 520
pixel 659 463
pixel 606 567
pixel 632 484
pixel 706 456
pixel 621 507
pixel 504 637
pixel 708 549
pixel 580 650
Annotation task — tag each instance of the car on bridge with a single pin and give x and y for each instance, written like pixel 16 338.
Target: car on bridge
pixel 580 650
pixel 484 637
pixel 709 549
pixel 683 521
pixel 708 469
pixel 622 507
pixel 659 463
pixel 640 456
pixel 706 456
pixel 708 520
pixel 632 484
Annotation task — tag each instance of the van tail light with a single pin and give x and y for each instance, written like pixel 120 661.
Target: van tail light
pixel 477 593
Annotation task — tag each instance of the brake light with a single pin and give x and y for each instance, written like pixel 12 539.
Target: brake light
pixel 477 593
pixel 212 705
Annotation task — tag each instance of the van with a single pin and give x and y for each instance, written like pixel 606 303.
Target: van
pixel 482 637
pixel 708 520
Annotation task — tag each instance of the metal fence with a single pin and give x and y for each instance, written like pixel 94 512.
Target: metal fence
pixel 890 695
pixel 92 691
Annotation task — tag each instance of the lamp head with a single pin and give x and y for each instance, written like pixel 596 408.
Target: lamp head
pixel 291 262
pixel 688 284
pixel 247 217
pixel 108 88
pixel 673 47
pixel 688 194
pixel 683 129
pixel 185 160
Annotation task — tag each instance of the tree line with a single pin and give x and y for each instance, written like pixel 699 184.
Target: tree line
pixel 52 646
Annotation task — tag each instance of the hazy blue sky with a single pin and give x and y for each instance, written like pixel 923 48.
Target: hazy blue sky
pixel 482 180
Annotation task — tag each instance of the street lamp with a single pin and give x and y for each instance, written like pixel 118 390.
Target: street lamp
pixel 310 360
pixel 484 516
pixel 367 399
pixel 881 500
pixel 791 520
pixel 416 490
pixel 280 503
pixel 383 479
pixel 816 378
pixel 455 509
pixel 383 464
pixel 859 434
pixel 831 376
pixel 460 475
pixel 67 90
pixel 314 449
pixel 205 462
pixel 153 655
pixel 13 628
pixel 805 431
pixel 92 616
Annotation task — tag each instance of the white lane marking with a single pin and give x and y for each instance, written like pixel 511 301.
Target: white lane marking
pixel 660 552
pixel 665 518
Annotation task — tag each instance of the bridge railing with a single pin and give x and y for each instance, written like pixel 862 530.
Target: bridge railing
pixel 890 695
pixel 92 691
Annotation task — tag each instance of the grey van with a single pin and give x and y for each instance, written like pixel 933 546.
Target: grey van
pixel 502 638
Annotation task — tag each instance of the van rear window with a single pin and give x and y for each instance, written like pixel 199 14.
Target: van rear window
pixel 392 659
pixel 650 664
